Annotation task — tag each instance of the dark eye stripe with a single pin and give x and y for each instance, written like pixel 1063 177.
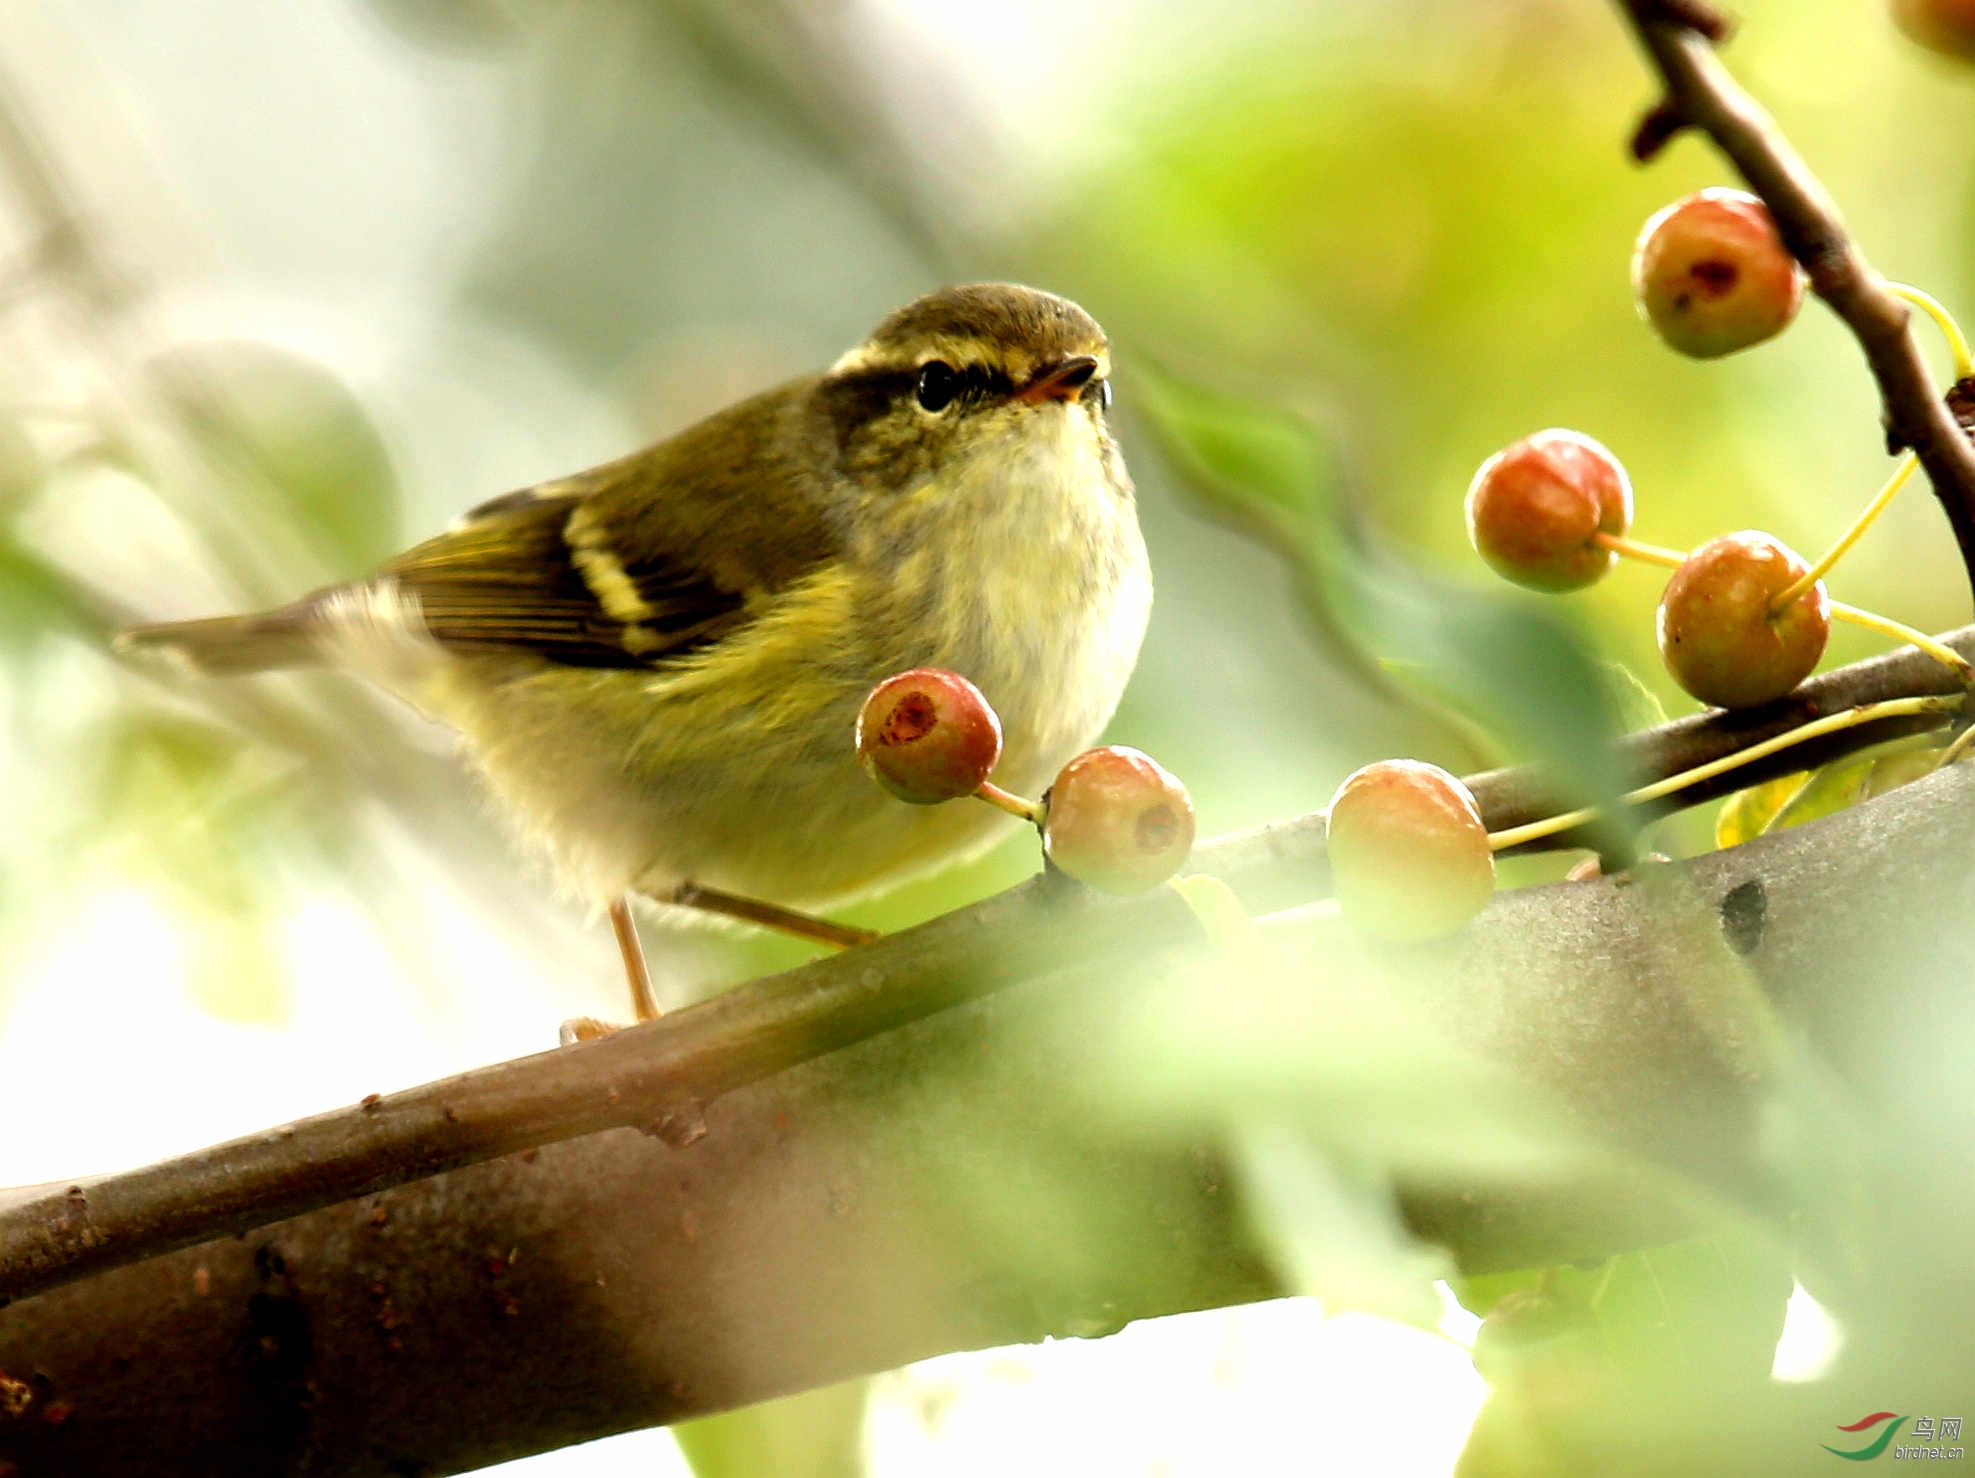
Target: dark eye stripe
pixel 982 381
pixel 860 395
pixel 939 384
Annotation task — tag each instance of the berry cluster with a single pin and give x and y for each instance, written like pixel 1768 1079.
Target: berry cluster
pixel 1742 621
pixel 1946 26
pixel 1114 818
pixel 1744 618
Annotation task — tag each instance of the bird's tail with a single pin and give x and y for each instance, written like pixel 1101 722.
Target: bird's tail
pixel 283 637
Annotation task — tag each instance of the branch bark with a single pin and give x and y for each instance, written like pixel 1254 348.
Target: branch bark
pixel 660 1076
pixel 1701 94
pixel 850 1213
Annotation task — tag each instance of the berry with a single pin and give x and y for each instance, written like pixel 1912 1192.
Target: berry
pixel 1409 855
pixel 1117 820
pixel 928 735
pixel 1946 26
pixel 1534 505
pixel 1712 276
pixel 1717 633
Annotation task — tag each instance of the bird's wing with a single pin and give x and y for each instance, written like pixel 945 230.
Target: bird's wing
pixel 632 563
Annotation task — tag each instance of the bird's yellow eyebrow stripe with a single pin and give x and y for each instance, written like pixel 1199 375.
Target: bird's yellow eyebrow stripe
pixel 1015 361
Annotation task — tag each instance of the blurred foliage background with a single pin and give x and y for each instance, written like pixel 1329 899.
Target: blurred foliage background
pixel 285 287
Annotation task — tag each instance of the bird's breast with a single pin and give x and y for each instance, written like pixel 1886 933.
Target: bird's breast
pixel 1029 576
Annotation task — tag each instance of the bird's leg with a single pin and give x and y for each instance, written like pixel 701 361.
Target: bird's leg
pixel 767 915
pixel 712 900
pixel 644 1005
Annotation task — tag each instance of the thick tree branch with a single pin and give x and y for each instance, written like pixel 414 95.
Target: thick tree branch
pixel 1701 94
pixel 660 1076
pixel 855 1212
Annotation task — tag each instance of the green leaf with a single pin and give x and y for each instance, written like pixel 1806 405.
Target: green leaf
pixel 469 27
pixel 1255 466
pixel 1859 777
pixel 1636 705
pixel 1518 672
pixel 1500 660
pixel 1480 1293
pixel 1747 814
pixel 207 826
pixel 37 600
pixel 1901 767
pixel 1792 800
pixel 1533 1333
pixel 288 424
pixel 1656 1362
pixel 22 467
pixel 1718 1300
pixel 818 1434
pixel 1834 787
pixel 1315 1028
pixel 1335 1229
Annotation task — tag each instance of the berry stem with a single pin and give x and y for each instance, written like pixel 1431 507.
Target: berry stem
pixel 1008 801
pixel 1957 749
pixel 1831 723
pixel 1900 631
pixel 1964 364
pixel 1320 911
pixel 1850 536
pixel 1885 625
pixel 1222 918
pixel 1652 554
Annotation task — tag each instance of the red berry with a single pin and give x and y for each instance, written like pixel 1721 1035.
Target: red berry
pixel 1712 276
pixel 1409 856
pixel 1534 505
pixel 1946 26
pixel 1118 820
pixel 1717 634
pixel 928 735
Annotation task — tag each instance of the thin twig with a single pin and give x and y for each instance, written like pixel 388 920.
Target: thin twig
pixel 1702 95
pixel 659 1075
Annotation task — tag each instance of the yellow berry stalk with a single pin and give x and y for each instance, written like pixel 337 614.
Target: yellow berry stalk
pixel 1857 615
pixel 1832 723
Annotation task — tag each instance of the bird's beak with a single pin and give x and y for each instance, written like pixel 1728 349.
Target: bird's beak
pixel 1063 380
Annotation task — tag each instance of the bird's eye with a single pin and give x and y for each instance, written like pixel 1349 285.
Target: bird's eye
pixel 1104 395
pixel 939 382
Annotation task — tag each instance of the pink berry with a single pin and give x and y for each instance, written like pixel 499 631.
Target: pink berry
pixel 1409 855
pixel 1717 633
pixel 1117 820
pixel 1712 276
pixel 1946 26
pixel 1535 505
pixel 927 736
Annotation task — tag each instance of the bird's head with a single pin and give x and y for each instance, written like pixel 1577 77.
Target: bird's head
pixel 962 372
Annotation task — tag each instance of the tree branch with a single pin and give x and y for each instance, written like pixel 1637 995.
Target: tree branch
pixel 854 1213
pixel 1701 94
pixel 658 1077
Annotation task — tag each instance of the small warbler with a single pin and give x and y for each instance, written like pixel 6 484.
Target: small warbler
pixel 657 664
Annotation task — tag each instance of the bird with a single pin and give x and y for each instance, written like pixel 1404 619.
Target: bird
pixel 656 664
